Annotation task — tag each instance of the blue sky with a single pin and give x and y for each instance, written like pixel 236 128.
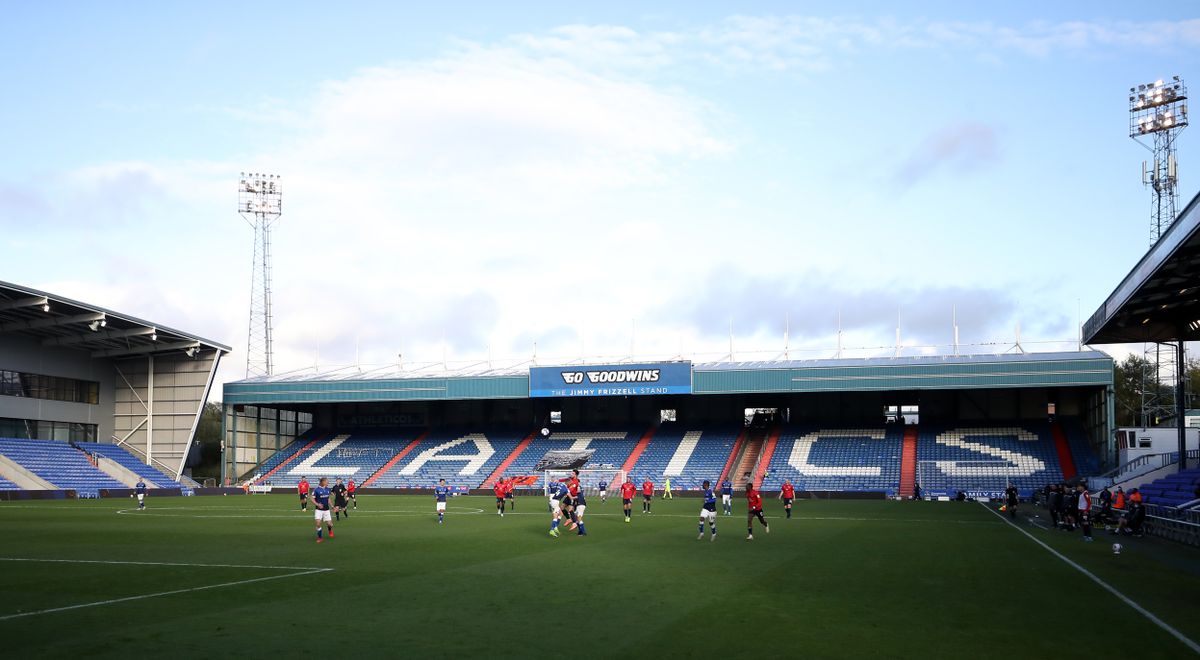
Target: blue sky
pixel 471 177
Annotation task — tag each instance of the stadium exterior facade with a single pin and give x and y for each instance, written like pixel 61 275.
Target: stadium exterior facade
pixel 264 415
pixel 74 371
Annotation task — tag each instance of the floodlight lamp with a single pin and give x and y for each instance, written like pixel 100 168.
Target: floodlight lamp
pixel 94 325
pixel 191 352
pixel 153 336
pixel 46 307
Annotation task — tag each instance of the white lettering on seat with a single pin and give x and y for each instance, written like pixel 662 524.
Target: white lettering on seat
pixel 309 465
pixel 582 439
pixel 683 452
pixel 803 446
pixel 1018 464
pixel 474 461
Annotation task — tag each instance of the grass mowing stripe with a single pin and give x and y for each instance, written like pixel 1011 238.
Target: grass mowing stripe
pixel 173 592
pixel 1092 576
pixel 161 563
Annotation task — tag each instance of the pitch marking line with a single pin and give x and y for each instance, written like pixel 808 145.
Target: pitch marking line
pixel 299 572
pixel 1107 587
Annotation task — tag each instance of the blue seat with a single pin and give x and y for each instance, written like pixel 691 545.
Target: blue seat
pixel 60 464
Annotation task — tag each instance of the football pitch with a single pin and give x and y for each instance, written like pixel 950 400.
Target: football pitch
pixel 242 575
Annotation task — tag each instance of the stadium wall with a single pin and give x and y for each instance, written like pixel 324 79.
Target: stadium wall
pixel 27 355
pixel 158 401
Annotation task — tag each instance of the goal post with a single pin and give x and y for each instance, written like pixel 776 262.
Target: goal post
pixel 589 480
pixel 977 479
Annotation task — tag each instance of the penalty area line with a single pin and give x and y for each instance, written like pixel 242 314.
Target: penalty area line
pixel 1106 586
pixel 172 592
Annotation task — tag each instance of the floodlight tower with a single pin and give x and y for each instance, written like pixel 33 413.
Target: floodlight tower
pixel 1158 113
pixel 260 203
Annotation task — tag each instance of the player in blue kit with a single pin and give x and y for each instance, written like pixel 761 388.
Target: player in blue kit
pixel 439 496
pixel 603 488
pixel 140 490
pixel 727 497
pixel 580 506
pixel 557 491
pixel 708 511
pixel 320 496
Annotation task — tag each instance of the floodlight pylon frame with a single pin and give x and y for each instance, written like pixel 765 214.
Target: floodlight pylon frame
pixel 1158 111
pixel 260 203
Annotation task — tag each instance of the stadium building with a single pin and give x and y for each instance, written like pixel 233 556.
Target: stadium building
pixel 92 399
pixel 870 427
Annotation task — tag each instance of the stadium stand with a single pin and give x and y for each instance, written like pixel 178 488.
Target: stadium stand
pixel 612 447
pixel 908 462
pixel 1172 490
pixel 502 468
pixel 970 458
pixel 60 464
pixel 459 456
pixel 947 458
pixel 688 457
pixel 325 454
pixel 843 460
pixel 1085 459
pixel 5 484
pixel 266 472
pixel 152 475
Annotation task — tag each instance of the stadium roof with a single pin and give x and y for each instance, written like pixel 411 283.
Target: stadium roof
pixel 59 321
pixel 1009 370
pixel 1159 300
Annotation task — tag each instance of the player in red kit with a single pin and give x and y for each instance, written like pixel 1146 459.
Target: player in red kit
pixel 572 498
pixel 787 493
pixel 508 492
pixel 302 488
pixel 627 492
pixel 647 495
pixel 498 489
pixel 351 490
pixel 754 508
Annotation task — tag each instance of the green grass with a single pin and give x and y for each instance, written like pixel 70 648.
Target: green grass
pixel 840 580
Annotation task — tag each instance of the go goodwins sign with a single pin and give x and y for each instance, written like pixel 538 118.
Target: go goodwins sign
pixel 611 380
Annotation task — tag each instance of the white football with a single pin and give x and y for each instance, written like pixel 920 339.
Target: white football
pixel 1116 548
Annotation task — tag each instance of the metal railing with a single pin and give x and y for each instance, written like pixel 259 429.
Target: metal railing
pixel 1175 524
pixel 1139 466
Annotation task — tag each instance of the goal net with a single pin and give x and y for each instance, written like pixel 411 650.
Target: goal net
pixel 978 479
pixel 589 480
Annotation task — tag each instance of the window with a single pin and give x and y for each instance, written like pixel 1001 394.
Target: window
pixel 1145 443
pixel 39 429
pixel 50 388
